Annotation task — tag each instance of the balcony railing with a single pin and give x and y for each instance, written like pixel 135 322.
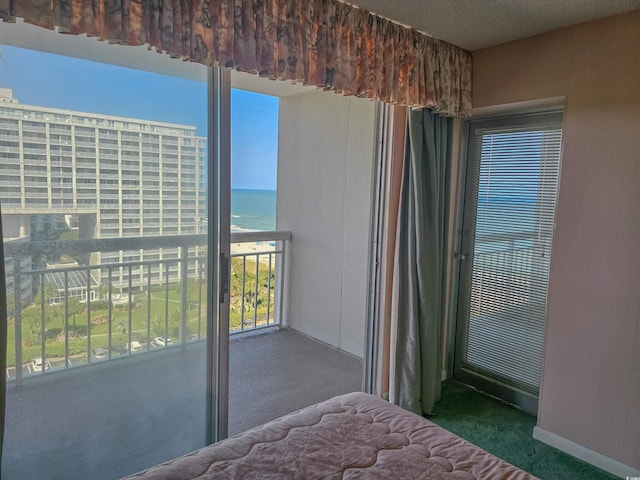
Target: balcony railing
pixel 86 312
pixel 257 285
pixel 505 266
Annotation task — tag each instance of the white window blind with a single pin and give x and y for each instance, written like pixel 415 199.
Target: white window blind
pixel 513 179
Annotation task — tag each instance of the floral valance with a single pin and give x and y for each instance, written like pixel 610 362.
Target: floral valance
pixel 324 43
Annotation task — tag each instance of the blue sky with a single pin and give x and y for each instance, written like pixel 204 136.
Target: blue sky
pixel 62 82
pixel 254 140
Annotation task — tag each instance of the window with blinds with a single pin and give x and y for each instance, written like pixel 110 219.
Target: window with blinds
pixel 510 202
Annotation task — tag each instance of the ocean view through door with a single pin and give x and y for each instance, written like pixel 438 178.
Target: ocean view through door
pixel 509 209
pixel 283 242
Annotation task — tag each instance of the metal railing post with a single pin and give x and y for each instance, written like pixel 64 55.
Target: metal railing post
pixel 88 315
pixel 244 269
pixel 269 273
pixel 184 258
pixel 130 306
pixel 66 319
pixel 166 302
pixel 110 308
pixel 255 293
pixel 43 324
pixel 17 317
pixel 199 270
pixel 279 282
pixel 149 305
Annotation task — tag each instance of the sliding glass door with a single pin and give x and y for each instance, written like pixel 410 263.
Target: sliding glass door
pixel 110 210
pixel 124 277
pixel 511 187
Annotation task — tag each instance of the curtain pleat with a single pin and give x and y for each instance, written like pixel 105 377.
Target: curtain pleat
pixel 325 43
pixel 419 263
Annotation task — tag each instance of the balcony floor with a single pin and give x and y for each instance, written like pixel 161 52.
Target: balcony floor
pixel 117 417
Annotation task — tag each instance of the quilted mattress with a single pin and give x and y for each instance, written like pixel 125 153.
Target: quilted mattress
pixel 353 436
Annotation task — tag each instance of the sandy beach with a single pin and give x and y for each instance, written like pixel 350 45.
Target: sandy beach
pixel 255 247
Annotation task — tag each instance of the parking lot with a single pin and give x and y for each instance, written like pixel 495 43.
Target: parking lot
pixel 98 355
pixel 29 369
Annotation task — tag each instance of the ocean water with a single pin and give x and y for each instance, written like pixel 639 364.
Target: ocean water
pixel 253 209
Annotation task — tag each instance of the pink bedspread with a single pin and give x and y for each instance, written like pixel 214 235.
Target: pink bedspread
pixel 354 436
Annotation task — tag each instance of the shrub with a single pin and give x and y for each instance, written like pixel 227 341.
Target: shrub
pixel 99 305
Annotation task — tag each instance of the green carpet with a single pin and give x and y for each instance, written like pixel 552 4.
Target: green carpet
pixel 506 432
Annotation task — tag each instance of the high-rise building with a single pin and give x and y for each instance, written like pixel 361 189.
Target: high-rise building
pixel 111 176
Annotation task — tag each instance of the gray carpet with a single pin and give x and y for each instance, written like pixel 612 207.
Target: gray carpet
pixel 112 418
pixel 275 373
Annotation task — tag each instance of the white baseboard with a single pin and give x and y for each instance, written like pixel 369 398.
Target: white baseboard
pixel 583 453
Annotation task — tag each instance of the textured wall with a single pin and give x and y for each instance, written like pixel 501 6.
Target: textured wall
pixel 325 167
pixel 591 380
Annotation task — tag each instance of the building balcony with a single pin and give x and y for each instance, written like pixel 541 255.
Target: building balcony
pixel 60 142
pixel 63 130
pixel 86 196
pixel 5 149
pixel 85 143
pixel 35 151
pixel 170 168
pixel 8 125
pixel 68 333
pixel 32 128
pixel 35 194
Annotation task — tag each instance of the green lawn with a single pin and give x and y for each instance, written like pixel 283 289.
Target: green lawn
pixel 140 322
pixel 161 317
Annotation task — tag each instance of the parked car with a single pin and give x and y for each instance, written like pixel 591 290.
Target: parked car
pixel 100 353
pixel 135 346
pixel 37 365
pixel 162 342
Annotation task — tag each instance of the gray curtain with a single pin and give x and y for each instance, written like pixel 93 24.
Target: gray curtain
pixel 420 258
pixel 3 339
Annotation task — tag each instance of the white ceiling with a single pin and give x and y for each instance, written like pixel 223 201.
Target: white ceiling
pixel 475 24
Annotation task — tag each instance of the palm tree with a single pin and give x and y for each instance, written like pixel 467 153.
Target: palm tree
pixel 74 307
pixel 122 327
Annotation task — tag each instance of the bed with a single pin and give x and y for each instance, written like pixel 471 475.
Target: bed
pixel 353 436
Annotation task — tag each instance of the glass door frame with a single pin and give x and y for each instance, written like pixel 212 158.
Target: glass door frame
pixel 219 226
pixel 455 348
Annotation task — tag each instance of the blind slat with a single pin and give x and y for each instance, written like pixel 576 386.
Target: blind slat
pixel 514 180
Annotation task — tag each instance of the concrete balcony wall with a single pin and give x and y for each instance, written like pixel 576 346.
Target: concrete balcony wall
pixel 325 173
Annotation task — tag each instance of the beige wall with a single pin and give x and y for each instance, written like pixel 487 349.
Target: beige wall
pixel 591 380
pixel 326 148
